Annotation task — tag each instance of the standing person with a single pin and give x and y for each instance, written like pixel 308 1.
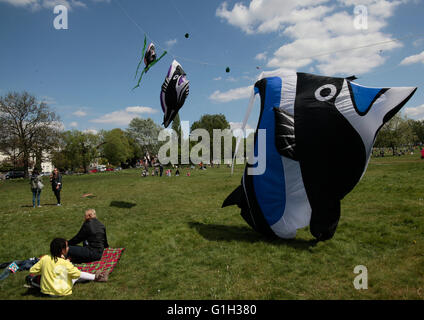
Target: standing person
pixel 160 169
pixel 58 275
pixel 36 187
pixel 56 180
pixel 93 236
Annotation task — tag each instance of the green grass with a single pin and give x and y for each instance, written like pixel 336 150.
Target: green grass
pixel 180 244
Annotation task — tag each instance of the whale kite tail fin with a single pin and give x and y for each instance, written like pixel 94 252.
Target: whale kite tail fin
pixel 234 198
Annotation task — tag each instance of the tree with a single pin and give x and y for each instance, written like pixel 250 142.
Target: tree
pixel 179 138
pixel 60 160
pixel 136 153
pixel 80 148
pixel 145 132
pixel 209 122
pixel 116 148
pixel 395 133
pixel 27 127
pixel 418 130
pixel 176 126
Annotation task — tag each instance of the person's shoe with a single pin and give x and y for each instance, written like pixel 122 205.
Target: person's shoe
pixel 101 276
pixel 38 206
pixel 59 205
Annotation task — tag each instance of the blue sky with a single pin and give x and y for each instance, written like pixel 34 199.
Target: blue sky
pixel 86 73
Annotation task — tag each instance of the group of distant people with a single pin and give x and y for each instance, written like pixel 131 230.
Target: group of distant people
pixel 159 172
pixel 381 152
pixel 37 186
pixel 57 270
pixel 155 172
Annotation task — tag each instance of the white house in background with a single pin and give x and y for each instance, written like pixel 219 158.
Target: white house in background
pixel 46 164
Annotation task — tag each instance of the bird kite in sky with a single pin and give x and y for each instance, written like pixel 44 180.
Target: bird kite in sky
pixel 149 58
pixel 174 92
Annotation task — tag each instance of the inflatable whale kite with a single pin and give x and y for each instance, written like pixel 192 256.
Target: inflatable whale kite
pixel 319 137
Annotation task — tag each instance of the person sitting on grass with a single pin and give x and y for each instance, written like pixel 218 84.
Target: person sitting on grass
pixel 58 275
pixel 93 236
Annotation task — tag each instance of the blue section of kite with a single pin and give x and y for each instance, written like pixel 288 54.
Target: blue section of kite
pixel 363 96
pixel 270 186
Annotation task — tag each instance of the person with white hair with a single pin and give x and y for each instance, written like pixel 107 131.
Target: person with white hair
pixel 93 236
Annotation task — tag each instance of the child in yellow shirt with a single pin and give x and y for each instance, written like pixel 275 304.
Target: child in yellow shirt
pixel 58 274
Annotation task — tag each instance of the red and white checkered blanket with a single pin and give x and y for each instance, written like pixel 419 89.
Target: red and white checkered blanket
pixel 108 261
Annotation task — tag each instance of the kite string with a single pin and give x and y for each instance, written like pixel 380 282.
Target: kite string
pixel 205 63
pixel 246 117
pixel 157 43
pixel 181 15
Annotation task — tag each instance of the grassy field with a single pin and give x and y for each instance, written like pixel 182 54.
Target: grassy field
pixel 180 244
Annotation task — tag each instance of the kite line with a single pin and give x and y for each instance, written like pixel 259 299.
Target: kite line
pixel 206 63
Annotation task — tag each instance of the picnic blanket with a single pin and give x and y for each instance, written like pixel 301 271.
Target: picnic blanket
pixel 108 261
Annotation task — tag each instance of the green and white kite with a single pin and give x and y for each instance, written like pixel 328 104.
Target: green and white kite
pixel 149 58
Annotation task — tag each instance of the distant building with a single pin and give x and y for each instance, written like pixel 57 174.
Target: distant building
pixel 46 164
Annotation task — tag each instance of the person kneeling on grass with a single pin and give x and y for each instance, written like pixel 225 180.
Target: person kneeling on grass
pixel 58 275
pixel 93 236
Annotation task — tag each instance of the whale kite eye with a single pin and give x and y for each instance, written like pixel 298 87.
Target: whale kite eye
pixel 325 92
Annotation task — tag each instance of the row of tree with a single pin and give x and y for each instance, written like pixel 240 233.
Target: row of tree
pixel 31 130
pixel 400 132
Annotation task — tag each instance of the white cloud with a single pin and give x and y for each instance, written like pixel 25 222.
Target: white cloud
pixel 171 43
pixel 321 32
pixel 73 124
pixel 123 117
pixel 80 113
pixel 263 16
pixel 261 56
pixel 48 100
pixel 93 131
pixel 139 109
pixel 418 42
pixel 231 79
pixel 416 112
pixel 230 95
pixel 48 4
pixel 416 58
pixel 120 117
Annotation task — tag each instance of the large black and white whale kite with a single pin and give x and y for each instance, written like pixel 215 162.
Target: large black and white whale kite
pixel 319 137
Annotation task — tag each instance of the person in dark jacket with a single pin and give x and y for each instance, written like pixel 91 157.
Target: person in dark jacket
pixel 93 236
pixel 56 180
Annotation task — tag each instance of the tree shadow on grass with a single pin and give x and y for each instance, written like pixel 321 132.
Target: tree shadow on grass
pixel 122 204
pixel 215 232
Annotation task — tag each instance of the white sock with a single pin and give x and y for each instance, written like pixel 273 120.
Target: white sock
pixel 85 276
